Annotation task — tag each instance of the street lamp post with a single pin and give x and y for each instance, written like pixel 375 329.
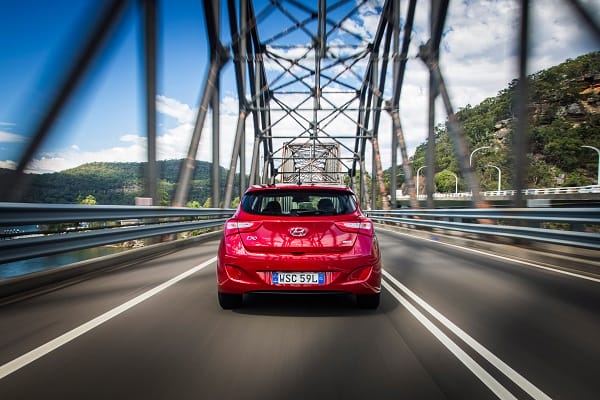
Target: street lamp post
pixel 419 170
pixel 597 151
pixel 396 188
pixel 473 152
pixel 499 174
pixel 456 184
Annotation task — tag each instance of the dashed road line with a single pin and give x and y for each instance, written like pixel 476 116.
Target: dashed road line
pixel 54 344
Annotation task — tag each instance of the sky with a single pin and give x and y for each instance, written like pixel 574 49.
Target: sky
pixel 105 120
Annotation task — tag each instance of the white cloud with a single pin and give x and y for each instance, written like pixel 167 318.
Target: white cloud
pixel 229 105
pixel 172 143
pixel 183 113
pixel 8 164
pixel 7 137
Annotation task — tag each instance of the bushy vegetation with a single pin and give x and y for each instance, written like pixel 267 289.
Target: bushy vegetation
pixel 564 114
pixel 118 183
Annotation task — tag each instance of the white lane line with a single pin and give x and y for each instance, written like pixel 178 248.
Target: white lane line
pixel 54 344
pixel 510 373
pixel 463 357
pixel 515 260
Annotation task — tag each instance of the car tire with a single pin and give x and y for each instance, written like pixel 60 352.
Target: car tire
pixel 368 301
pixel 230 301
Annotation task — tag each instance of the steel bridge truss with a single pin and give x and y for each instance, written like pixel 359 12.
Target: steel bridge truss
pixel 316 83
pixel 317 87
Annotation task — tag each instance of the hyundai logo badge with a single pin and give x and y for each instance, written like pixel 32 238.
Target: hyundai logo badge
pixel 298 231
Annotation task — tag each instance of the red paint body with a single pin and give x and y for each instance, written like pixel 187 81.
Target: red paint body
pixel 303 234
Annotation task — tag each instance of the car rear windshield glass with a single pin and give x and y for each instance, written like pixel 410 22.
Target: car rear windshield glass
pixel 299 202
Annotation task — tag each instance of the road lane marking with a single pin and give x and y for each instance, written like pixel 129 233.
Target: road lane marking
pixel 463 357
pixel 54 344
pixel 500 365
pixel 515 260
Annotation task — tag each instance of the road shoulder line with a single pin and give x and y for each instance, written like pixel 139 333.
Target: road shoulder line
pixel 65 338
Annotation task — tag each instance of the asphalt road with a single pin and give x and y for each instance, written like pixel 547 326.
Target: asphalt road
pixel 452 324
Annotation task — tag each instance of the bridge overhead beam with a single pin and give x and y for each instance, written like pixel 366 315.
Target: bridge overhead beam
pixel 239 56
pixel 391 32
pixel 586 17
pixel 393 107
pixel 247 9
pixel 215 48
pixel 219 56
pixel 438 13
pixel 149 8
pixel 336 62
pixel 429 55
pixel 260 103
pixel 369 88
pixel 521 100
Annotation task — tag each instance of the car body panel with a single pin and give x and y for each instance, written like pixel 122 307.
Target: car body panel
pixel 341 249
pixel 296 234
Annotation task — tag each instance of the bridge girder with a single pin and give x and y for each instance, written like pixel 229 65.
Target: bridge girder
pixel 342 69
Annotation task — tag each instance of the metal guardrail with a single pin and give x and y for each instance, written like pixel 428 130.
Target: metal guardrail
pixel 35 230
pixel 564 226
pixel 503 193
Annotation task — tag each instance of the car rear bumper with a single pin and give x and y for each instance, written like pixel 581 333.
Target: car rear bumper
pixel 359 275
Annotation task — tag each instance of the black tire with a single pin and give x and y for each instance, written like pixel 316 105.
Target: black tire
pixel 369 301
pixel 230 301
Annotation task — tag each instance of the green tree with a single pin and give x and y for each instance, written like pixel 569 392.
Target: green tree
pixel 193 204
pixel 89 200
pixel 446 181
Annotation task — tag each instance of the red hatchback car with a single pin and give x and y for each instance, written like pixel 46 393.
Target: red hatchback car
pixel 299 238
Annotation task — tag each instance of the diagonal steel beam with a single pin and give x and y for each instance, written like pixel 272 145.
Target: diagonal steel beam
pixel 219 57
pixel 239 54
pixel 521 140
pixel 429 55
pixel 16 182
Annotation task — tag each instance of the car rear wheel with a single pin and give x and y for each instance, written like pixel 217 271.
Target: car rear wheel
pixel 370 301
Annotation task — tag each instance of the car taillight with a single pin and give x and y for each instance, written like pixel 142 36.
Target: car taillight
pixel 365 227
pixel 232 227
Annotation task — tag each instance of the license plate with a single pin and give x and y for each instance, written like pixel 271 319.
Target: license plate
pixel 298 278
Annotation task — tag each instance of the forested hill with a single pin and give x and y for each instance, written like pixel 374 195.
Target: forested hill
pixel 117 183
pixel 564 111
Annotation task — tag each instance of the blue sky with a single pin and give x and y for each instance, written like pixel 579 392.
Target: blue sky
pixel 105 120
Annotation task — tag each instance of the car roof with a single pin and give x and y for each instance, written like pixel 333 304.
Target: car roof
pixel 308 186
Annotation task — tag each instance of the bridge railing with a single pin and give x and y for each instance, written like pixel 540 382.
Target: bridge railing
pixel 493 193
pixel 577 227
pixel 36 230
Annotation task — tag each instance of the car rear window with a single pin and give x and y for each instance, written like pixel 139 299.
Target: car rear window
pixel 299 202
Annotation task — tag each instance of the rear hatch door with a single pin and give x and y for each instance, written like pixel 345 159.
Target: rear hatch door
pixel 298 235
